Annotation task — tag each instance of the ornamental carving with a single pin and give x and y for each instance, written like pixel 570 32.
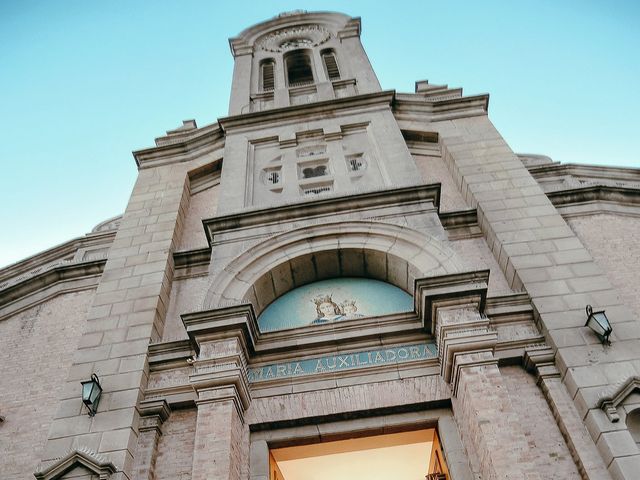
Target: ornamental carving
pixel 294 37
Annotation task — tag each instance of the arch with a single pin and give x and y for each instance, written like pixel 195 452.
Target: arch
pixel 299 67
pixel 633 424
pixel 330 62
pixel 332 22
pixel 387 252
pixel 267 74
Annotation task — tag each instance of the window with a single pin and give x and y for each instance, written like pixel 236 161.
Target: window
pixel 356 162
pixel 311 172
pixel 299 71
pixel 267 79
pixel 331 64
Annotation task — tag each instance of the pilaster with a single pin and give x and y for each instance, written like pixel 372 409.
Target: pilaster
pixel 152 415
pixel 220 380
pixel 481 403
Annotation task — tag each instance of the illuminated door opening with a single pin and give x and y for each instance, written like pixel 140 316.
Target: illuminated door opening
pixel 412 455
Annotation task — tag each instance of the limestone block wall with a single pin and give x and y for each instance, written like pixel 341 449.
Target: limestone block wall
pixel 434 170
pixel 175 448
pixel 551 455
pixel 29 381
pixel 186 296
pixel 475 255
pixel 201 205
pixel 612 240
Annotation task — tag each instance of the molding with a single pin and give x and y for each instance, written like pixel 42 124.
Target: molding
pixel 307 111
pixel 464 288
pixel 53 256
pixel 97 464
pixel 192 258
pixel 324 206
pixel 234 321
pixel 540 360
pixel 596 193
pixel 181 147
pixel 153 413
pixel 48 276
pixel 555 169
pixel 415 106
pixel 461 224
pixel 616 395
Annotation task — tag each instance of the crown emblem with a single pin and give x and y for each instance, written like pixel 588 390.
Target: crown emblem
pixel 322 299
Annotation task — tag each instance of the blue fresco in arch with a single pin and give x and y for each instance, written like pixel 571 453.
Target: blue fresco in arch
pixel 334 300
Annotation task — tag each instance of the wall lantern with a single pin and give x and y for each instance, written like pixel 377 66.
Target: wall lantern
pixel 599 323
pixel 91 391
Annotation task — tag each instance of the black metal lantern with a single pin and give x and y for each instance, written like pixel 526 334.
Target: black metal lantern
pixel 599 323
pixel 91 391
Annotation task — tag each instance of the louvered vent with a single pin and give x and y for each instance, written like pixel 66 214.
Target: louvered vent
pixel 317 190
pixel 331 65
pixel 268 81
pixel 273 177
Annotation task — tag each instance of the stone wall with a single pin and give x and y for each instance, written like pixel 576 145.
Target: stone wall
pixel 187 296
pixel 610 240
pixel 475 255
pixel 434 170
pixel 550 452
pixel 175 448
pixel 201 205
pixel 347 398
pixel 36 350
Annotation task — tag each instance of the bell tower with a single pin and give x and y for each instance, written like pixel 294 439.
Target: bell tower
pixel 307 116
pixel 298 58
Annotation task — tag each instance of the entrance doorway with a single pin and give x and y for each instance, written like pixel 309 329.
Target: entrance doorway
pixel 414 455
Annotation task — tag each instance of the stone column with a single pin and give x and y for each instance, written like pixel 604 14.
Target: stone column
pixel 152 415
pixel 220 379
pixel 481 403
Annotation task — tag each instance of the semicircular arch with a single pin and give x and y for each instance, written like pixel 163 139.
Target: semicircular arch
pixel 387 252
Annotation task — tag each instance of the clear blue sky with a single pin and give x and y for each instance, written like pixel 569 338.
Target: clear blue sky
pixel 84 83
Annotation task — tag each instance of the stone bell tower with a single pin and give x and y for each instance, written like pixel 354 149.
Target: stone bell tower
pixel 307 116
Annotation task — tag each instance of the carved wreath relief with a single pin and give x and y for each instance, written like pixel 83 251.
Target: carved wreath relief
pixel 294 37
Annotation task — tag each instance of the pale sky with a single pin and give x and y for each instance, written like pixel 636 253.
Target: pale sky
pixel 82 84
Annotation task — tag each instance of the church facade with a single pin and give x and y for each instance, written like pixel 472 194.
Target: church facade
pixel 333 280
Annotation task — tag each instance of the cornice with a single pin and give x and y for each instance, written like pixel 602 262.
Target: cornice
pixel 325 206
pixel 461 224
pixel 596 193
pixel 192 258
pixel 432 293
pixel 435 109
pixel 28 266
pixel 307 111
pixel 581 170
pixel 182 147
pixel 62 272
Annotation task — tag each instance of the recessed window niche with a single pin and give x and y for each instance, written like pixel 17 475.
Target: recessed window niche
pixel 334 300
